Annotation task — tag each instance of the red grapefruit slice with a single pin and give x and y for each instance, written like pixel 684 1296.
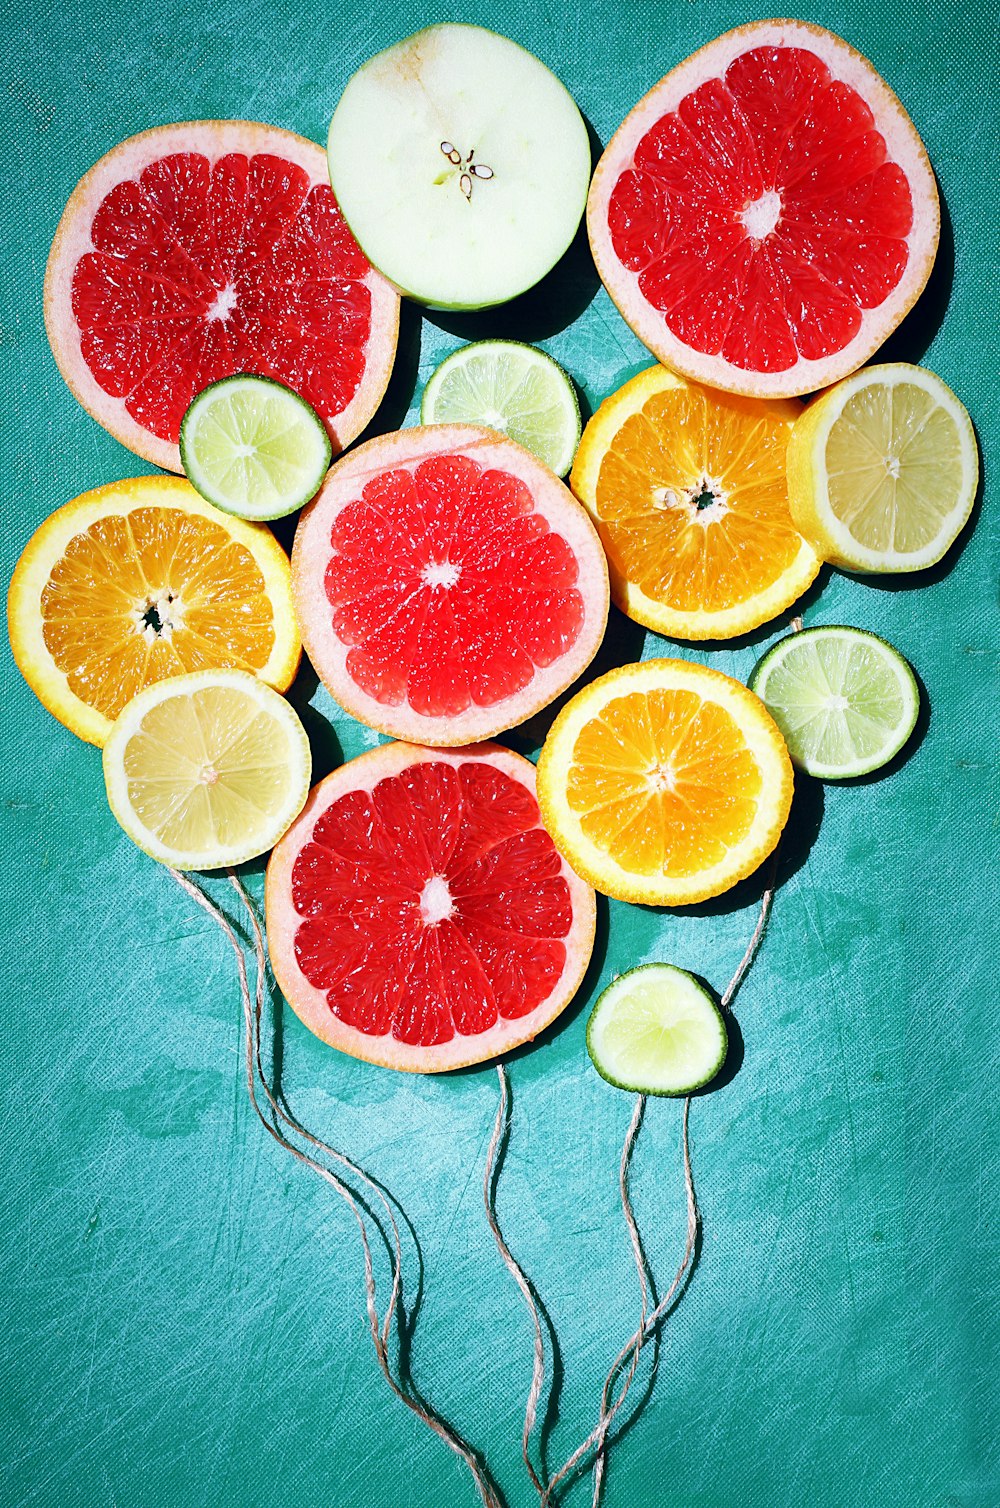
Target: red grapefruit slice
pixel 419 915
pixel 766 215
pixel 198 250
pixel 447 585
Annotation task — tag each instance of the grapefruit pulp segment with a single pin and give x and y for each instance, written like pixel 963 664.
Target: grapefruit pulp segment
pixel 419 915
pixel 196 251
pixel 447 584
pixel 767 214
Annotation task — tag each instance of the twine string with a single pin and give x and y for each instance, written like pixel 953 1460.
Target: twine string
pixel 253 1063
pixel 500 1129
pixel 628 1357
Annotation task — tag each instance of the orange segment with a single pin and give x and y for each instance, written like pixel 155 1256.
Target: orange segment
pixel 688 490
pixel 139 581
pixel 664 782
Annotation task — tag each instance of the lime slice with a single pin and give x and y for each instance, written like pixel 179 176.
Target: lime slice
pixel 253 447
pixel 656 1030
pixel 207 770
pixel 514 388
pixel 845 700
pixel 883 469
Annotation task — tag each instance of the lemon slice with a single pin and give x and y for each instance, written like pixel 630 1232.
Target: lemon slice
pixel 883 470
pixel 656 1030
pixel 664 783
pixel 207 770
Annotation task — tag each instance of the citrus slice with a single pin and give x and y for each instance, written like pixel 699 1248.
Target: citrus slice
pixel 197 250
pixel 420 916
pixel 462 165
pixel 656 1030
pixel 883 470
pixel 766 215
pixel 253 447
pixel 664 782
pixel 447 585
pixel 138 581
pixel 687 488
pixel 510 387
pixel 845 700
pixel 207 770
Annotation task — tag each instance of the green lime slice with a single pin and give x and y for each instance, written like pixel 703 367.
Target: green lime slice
pixel 514 388
pixel 253 447
pixel 845 700
pixel 656 1030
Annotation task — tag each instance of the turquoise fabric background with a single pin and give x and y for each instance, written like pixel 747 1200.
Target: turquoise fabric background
pixel 183 1321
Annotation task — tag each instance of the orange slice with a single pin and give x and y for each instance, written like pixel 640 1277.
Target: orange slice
pixel 687 488
pixel 141 580
pixel 664 783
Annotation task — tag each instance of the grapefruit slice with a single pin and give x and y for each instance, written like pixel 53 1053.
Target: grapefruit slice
pixel 766 215
pixel 447 585
pixel 419 915
pixel 195 251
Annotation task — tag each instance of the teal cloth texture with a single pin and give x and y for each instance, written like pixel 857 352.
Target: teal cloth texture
pixel 183 1314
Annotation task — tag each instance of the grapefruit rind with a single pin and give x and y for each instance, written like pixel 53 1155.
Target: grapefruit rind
pixel 127 725
pixel 311 552
pixel 213 139
pixel 46 547
pixel 630 598
pixel 310 1004
pixel 807 473
pixel 763 739
pixel 905 148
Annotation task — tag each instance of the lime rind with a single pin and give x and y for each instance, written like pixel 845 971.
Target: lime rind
pixel 845 700
pixel 657 1030
pixel 252 447
pixel 513 388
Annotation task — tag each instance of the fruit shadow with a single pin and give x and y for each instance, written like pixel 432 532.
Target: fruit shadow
pixel 914 334
pixel 621 645
pixel 548 308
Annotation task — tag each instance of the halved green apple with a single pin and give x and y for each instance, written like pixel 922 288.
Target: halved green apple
pixel 461 164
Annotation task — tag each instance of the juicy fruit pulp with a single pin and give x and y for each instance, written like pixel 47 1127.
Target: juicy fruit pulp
pixel 664 782
pixel 845 700
pixel 201 250
pixel 765 210
pixel 656 1030
pixel 450 590
pixel 461 164
pixel 140 581
pixel 419 592
pixel 420 915
pixel 510 387
pixel 688 490
pixel 208 770
pixel 885 468
pixel 253 447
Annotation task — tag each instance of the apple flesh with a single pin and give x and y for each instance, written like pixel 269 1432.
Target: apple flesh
pixel 461 164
